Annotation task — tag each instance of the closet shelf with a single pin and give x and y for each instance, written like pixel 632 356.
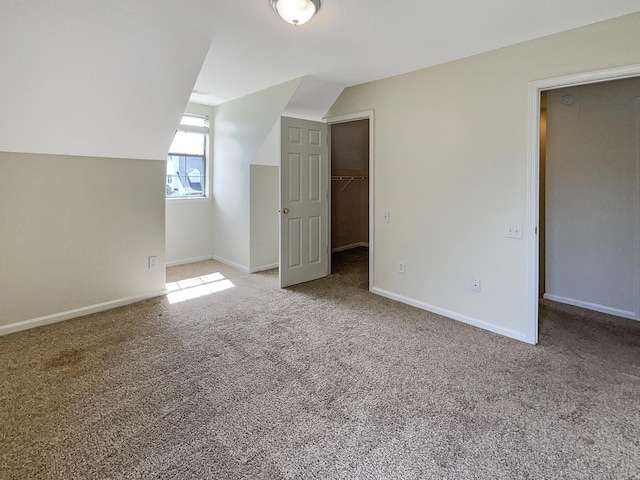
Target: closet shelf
pixel 349 178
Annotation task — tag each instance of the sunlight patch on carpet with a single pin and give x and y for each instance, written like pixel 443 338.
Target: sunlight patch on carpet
pixel 196 287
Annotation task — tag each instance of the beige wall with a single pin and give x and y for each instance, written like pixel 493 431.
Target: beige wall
pixel 76 232
pixel 81 97
pixel 240 127
pixel 269 151
pixel 265 199
pixel 592 197
pixel 265 202
pixel 189 230
pixel 451 167
pixel 189 221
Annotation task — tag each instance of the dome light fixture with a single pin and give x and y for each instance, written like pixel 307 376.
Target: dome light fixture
pixel 296 12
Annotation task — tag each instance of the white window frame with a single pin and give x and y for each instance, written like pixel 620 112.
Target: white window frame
pixel 204 176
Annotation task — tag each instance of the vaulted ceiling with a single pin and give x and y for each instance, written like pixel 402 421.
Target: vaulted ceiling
pixel 355 41
pixel 111 77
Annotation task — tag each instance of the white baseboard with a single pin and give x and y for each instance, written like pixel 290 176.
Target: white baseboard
pixel 77 312
pixel 189 260
pixel 349 247
pixel 507 332
pixel 235 265
pixel 262 268
pixel 591 306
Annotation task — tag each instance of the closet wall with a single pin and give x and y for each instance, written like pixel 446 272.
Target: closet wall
pixel 349 196
pixel 592 197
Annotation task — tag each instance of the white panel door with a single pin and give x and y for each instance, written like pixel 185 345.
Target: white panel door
pixel 304 202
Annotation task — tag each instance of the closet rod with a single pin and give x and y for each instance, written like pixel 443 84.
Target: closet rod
pixel 349 178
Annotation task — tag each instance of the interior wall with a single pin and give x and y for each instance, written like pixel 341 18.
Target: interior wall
pixel 240 127
pixel 188 230
pixel 106 81
pixel 592 211
pixel 312 99
pixel 451 168
pixel 265 202
pixel 269 151
pixel 350 203
pixel 265 199
pixel 76 232
pixel 189 221
pixel 90 99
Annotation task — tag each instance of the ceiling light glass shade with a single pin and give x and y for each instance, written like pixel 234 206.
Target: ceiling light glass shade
pixel 296 12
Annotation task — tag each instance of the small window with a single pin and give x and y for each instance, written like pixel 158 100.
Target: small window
pixel 187 158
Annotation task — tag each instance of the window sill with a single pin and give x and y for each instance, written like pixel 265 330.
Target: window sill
pixel 188 199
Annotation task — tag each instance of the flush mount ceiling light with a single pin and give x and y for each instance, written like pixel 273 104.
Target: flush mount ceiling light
pixel 296 12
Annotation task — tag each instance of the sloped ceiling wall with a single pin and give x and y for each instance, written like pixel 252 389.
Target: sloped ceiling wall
pixel 240 127
pixel 312 99
pixel 99 78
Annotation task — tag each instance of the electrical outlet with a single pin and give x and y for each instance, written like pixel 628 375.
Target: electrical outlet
pixel 258 244
pixel 386 216
pixel 402 267
pixel 475 285
pixel 153 262
pixel 514 231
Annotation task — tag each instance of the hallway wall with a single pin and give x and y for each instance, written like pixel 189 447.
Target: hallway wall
pixel 592 213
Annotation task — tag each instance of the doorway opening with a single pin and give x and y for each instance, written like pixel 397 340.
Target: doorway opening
pixel 350 198
pixel 563 206
pixel 351 156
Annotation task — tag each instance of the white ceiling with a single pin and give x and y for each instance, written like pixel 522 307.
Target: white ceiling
pixel 110 78
pixel 105 78
pixel 355 41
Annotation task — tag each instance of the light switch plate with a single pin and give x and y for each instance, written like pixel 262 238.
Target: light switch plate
pixel 514 231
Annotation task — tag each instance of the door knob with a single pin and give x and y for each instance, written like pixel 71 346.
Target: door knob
pixel 285 210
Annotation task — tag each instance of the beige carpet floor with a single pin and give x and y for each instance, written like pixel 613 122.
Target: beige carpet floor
pixel 323 380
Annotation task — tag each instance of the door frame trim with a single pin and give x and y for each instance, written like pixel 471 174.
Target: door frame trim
pixel 637 199
pixel 533 175
pixel 350 117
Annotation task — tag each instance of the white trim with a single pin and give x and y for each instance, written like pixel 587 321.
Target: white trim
pixel 591 306
pixel 184 261
pixel 262 268
pixel 349 117
pixel 329 201
pixel 235 265
pixel 531 229
pixel 597 76
pixel 507 332
pixel 349 247
pixel 533 175
pixel 189 199
pixel 637 201
pixel 367 114
pixel 77 312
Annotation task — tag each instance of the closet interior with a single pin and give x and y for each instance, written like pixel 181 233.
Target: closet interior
pixel 350 186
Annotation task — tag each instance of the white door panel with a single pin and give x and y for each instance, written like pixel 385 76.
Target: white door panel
pixel 304 202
